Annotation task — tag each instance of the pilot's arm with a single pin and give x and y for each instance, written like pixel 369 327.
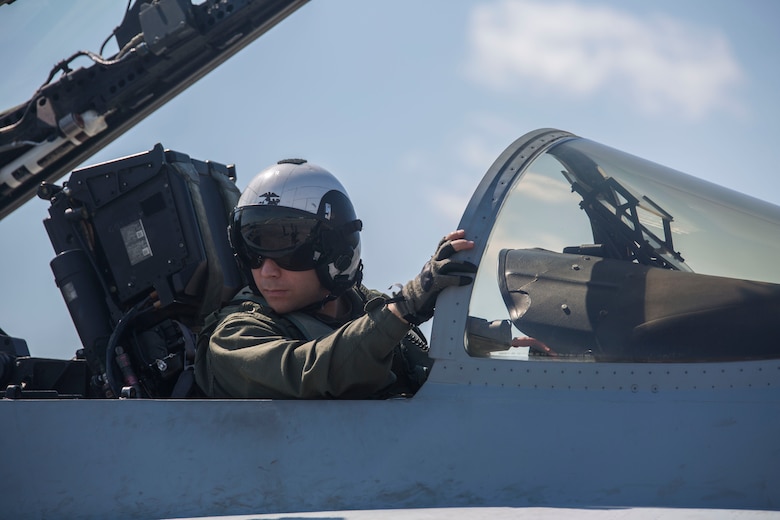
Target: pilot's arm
pixel 253 355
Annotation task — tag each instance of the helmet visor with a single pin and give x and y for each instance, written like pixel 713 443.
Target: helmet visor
pixel 285 235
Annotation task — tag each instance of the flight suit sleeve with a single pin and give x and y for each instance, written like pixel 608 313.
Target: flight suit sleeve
pixel 252 356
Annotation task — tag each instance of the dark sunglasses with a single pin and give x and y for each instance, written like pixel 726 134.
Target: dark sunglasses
pixel 301 259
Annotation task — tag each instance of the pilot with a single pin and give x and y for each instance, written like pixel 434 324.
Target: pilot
pixel 305 327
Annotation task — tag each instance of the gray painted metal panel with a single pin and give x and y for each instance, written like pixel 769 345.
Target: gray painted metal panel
pixel 535 513
pixel 453 445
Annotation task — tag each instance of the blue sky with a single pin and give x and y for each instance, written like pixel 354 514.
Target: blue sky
pixel 410 102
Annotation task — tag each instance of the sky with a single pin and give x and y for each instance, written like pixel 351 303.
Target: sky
pixel 408 103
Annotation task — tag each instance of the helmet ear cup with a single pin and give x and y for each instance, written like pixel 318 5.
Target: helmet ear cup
pixel 343 262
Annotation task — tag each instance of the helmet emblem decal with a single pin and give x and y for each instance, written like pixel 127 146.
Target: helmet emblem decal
pixel 269 199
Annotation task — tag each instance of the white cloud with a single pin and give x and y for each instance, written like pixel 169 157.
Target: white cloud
pixel 543 188
pixel 475 152
pixel 450 204
pixel 442 186
pixel 659 64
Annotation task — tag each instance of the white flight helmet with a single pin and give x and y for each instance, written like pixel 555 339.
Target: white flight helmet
pixel 299 215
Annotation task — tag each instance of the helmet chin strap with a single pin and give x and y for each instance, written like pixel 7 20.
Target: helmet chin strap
pixel 320 304
pixel 331 296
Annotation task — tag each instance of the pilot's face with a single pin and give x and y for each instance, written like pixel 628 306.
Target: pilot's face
pixel 287 291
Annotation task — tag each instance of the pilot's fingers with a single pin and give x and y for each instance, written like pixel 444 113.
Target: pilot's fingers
pixel 454 235
pixel 462 244
pixel 447 248
pixel 458 240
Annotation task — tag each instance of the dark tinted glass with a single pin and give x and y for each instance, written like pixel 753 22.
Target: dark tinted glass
pixel 285 235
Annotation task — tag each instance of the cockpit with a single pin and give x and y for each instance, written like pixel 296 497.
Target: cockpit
pixel 596 255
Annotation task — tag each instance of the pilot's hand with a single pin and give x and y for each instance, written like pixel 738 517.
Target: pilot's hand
pixel 417 299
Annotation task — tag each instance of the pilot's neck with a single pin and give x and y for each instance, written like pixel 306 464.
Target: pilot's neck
pixel 336 309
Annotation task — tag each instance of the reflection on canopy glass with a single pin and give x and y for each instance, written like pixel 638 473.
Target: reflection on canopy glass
pixel 599 255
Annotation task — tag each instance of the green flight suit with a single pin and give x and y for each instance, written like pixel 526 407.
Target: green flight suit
pixel 254 352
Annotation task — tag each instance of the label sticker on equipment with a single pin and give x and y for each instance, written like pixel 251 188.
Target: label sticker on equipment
pixel 136 242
